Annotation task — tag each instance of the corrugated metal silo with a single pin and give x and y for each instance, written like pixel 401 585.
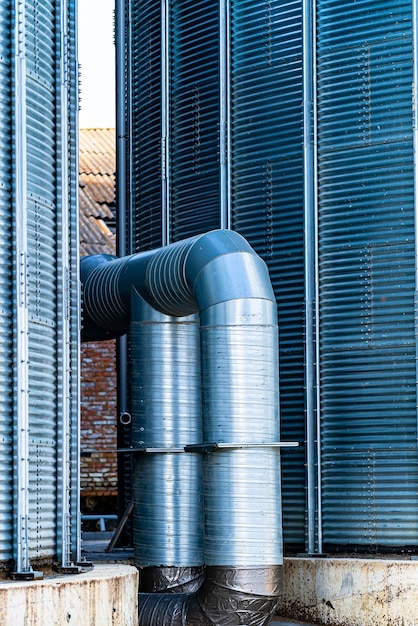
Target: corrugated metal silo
pixel 367 273
pixel 216 137
pixel 39 293
pixel 266 197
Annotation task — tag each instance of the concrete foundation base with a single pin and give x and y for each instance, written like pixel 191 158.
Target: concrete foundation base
pixel 104 596
pixel 350 592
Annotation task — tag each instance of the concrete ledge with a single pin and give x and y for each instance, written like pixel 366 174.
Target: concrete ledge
pixel 350 592
pixel 104 596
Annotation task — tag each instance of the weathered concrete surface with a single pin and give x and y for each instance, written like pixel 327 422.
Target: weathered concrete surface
pixel 105 596
pixel 282 621
pixel 351 592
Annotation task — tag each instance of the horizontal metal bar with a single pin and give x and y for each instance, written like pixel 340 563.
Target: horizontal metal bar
pixel 99 516
pixel 150 450
pixel 210 447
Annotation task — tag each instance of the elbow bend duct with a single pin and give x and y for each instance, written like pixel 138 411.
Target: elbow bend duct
pixel 219 276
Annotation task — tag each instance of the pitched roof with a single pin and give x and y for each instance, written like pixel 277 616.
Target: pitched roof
pixel 97 165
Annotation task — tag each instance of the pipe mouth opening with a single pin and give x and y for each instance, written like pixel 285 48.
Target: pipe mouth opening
pixel 125 418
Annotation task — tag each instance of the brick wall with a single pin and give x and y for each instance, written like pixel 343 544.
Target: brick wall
pixel 98 419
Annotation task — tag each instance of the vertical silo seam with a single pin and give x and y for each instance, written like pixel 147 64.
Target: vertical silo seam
pixel 310 235
pixel 233 294
pixel 21 549
pixel 64 365
pixel 224 116
pixel 165 122
pixel 74 293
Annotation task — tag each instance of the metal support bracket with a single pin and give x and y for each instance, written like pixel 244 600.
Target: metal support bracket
pixel 84 564
pixel 151 450
pixel 211 447
pixel 29 575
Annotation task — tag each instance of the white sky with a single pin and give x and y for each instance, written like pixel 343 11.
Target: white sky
pixel 96 55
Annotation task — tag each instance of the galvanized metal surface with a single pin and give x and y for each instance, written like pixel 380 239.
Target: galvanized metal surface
pixel 239 344
pixel 241 488
pixel 166 413
pixel 65 523
pixel 367 273
pixel 234 99
pixel 313 439
pixel 267 198
pixel 43 97
pixel 20 302
pixel 6 421
pixel 366 228
pixel 144 150
pixel 194 114
pixel 74 296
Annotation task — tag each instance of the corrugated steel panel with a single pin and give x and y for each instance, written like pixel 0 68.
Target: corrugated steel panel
pixel 145 85
pixel 366 271
pixel 29 145
pixel 194 114
pixel 6 354
pixel 267 198
pixel 43 440
pixel 265 152
pixel 41 107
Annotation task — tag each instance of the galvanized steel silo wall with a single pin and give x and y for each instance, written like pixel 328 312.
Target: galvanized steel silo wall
pixel 216 138
pixel 367 273
pixel 6 301
pixel 266 195
pixel 39 336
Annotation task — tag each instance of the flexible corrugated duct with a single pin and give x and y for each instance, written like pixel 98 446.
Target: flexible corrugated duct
pixel 219 276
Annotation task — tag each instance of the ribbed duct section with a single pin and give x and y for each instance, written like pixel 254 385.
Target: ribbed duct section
pixel 228 285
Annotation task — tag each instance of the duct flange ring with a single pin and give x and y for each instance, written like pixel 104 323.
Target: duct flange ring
pixel 125 418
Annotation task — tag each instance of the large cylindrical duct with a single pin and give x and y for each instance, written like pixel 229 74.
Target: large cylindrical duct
pixel 220 276
pixel 166 417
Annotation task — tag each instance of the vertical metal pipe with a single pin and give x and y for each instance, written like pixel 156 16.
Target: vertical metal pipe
pixel 316 252
pixel 241 486
pixel 165 121
pixel 224 107
pixel 76 302
pixel 21 298
pixel 166 417
pixel 121 131
pixel 123 235
pixel 309 158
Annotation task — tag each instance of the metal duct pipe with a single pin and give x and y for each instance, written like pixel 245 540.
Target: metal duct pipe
pixel 220 276
pixel 166 417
